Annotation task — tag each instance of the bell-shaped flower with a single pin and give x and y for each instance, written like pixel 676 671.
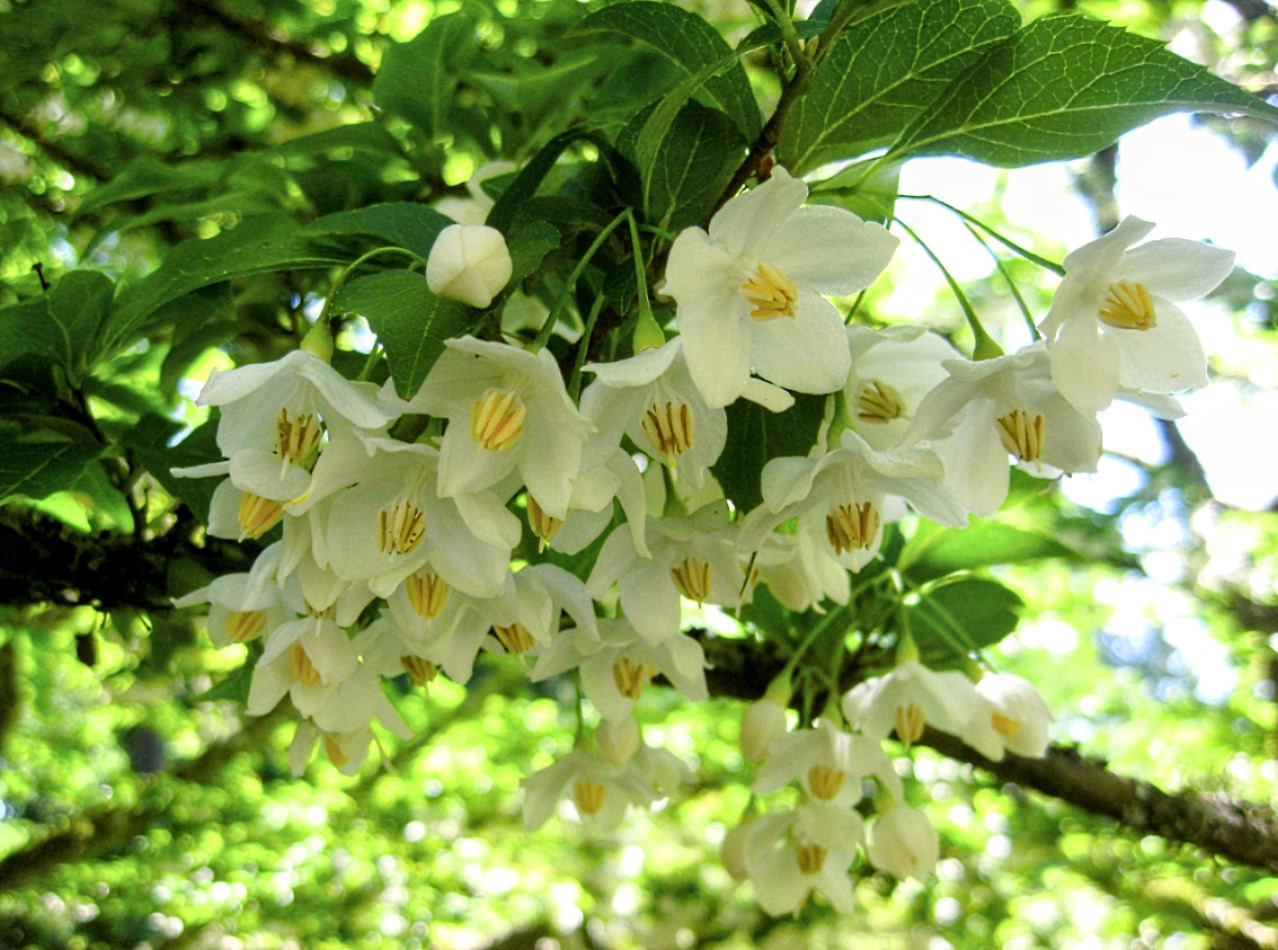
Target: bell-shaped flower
pixel 762 725
pixel 590 508
pixel 391 520
pixel 830 763
pixel 749 292
pixel 346 751
pixel 990 409
pixel 305 658
pixel 694 556
pixel 599 790
pixel 243 606
pixel 651 398
pixel 439 624
pixel 802 570
pixel 275 418
pixel 908 699
pixel 847 495
pixel 1114 321
pixel 470 263
pixel 528 613
pixel 616 667
pixel 903 842
pixel 788 855
pixel 1010 716
pixel 892 370
pixel 507 409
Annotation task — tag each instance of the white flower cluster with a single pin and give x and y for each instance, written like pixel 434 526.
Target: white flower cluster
pixel 788 854
pixel 395 557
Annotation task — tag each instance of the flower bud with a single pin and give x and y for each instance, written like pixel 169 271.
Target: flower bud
pixel 763 723
pixel 904 843
pixel 470 263
pixel 618 739
pixel 733 850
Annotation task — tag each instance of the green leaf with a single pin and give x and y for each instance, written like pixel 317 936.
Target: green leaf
pixel 693 164
pixel 417 79
pixel 934 552
pixel 38 469
pixel 362 136
pixel 1064 87
pixel 146 176
pixel 966 615
pixel 149 446
pixel 234 687
pixel 64 324
pixel 403 223
pixel 757 435
pixel 690 42
pixel 529 179
pixel 262 245
pixel 529 244
pixel 540 88
pixel 867 188
pixel 411 323
pixel 883 71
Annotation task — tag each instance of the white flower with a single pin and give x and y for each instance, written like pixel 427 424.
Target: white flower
pixel 788 855
pixel 1114 320
pixel 506 409
pixel 470 263
pixel 990 409
pixel 892 370
pixel 1010 715
pixel 909 699
pixel 242 606
pixel 762 724
pixel 651 398
pixel 749 292
pixel 391 520
pixel 903 842
pixel 847 495
pixel 305 658
pixel 829 762
pixel 802 570
pixel 619 664
pixel 600 791
pixel 694 556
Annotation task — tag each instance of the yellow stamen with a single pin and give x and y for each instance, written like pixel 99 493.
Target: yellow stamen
pixel 1129 307
pixel 878 402
pixel 692 577
pixel 328 613
pixel 853 527
pixel 297 436
pixel 1004 725
pixel 910 723
pixel 303 669
pixel 243 625
pixel 542 524
pixel 497 419
pixel 670 428
pixel 258 515
pixel 811 858
pixel 400 528
pixel 589 796
pixel 334 752
pixel 825 782
pixel 631 677
pixel 427 593
pixel 772 293
pixel 1023 434
pixel 515 638
pixel 419 670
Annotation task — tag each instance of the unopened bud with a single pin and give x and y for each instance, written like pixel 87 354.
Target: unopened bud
pixel 470 263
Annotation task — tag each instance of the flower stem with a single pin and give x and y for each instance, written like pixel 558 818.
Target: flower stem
pixel 543 335
pixel 1011 284
pixel 1012 246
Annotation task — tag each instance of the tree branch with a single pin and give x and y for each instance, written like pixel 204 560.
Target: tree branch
pixel 1239 831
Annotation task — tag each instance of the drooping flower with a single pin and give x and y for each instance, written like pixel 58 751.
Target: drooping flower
pixel 507 409
pixel 1114 320
pixel 470 263
pixel 599 790
pixel 892 370
pixel 788 855
pixel 990 409
pixel 749 291
pixel 903 842
pixel 1010 716
pixel 651 397
pixel 829 762
pixel 908 699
